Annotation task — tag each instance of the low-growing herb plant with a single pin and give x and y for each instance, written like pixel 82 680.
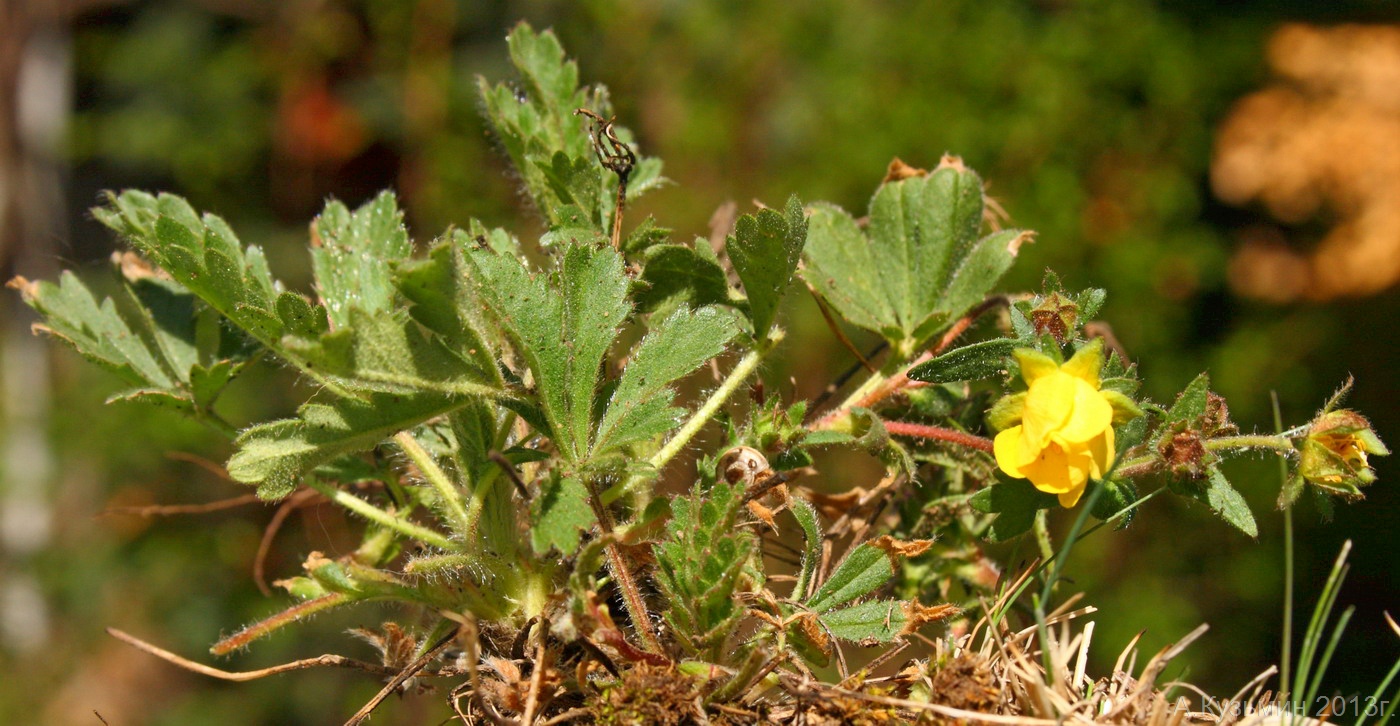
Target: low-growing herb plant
pixel 528 398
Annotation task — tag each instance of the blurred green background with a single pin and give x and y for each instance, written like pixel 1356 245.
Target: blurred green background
pixel 1092 121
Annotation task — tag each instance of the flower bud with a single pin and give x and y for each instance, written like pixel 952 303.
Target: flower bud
pixel 1334 451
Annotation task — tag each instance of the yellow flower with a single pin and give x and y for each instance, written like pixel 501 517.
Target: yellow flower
pixel 1334 453
pixel 1065 433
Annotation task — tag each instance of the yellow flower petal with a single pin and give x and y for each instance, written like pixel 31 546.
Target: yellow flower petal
pixel 1050 472
pixel 1049 404
pixel 1101 449
pixel 1034 364
pixel 1070 498
pixel 1090 416
pixel 1086 363
pixel 1007 448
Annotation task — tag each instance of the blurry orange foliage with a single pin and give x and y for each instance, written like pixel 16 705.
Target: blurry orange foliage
pixel 1323 139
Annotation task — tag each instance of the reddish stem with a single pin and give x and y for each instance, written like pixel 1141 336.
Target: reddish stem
pixel 901 380
pixel 938 433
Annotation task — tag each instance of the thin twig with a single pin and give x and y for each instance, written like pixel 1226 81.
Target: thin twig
pixel 402 676
pixel 332 660
pixel 293 503
pixel 616 157
pixel 500 460
pixel 165 510
pixel 532 700
pixel 836 330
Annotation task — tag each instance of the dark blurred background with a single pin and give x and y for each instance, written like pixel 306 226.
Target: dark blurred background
pixel 1229 172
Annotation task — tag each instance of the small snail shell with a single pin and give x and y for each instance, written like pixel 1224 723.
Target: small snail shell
pixel 743 463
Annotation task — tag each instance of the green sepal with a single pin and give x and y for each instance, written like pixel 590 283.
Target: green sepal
pixel 1015 502
pixel 1124 409
pixel 1007 411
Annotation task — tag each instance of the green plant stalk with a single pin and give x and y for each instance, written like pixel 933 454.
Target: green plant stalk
pixel 1286 660
pixel 707 410
pixel 1380 691
pixel 1321 613
pixel 1327 654
pixel 1390 710
pixel 379 516
pixel 447 492
pixel 997 616
pixel 1250 441
pixel 1147 463
pixel 1042 536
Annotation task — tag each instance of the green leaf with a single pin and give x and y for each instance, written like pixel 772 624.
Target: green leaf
pixel 877 620
pixel 1015 503
pixel 1191 403
pixel 1222 498
pixel 1117 496
pixel 640 407
pixel 764 249
pixel 559 515
pixel 442 297
pixel 867 567
pixel 203 256
pixel 562 327
pixel 389 352
pixel 97 331
pixel 352 255
pixel 922 264
pixel 550 146
pixel 806 516
pixel 968 363
pixel 701 562
pixel 273 455
pixel 675 274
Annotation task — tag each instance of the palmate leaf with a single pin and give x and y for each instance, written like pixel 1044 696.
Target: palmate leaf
pixel 923 262
pixel 878 620
pixel 562 325
pixel 442 297
pixel 1222 498
pixel 204 256
pixel 864 569
pixel 676 274
pixel 640 407
pixel 155 337
pixel 765 248
pixel 550 146
pixel 559 515
pixel 352 255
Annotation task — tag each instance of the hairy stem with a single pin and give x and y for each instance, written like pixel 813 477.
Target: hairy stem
pixel 266 626
pixel 736 378
pixel 447 492
pixel 939 433
pixel 622 575
pixel 1250 441
pixel 379 516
